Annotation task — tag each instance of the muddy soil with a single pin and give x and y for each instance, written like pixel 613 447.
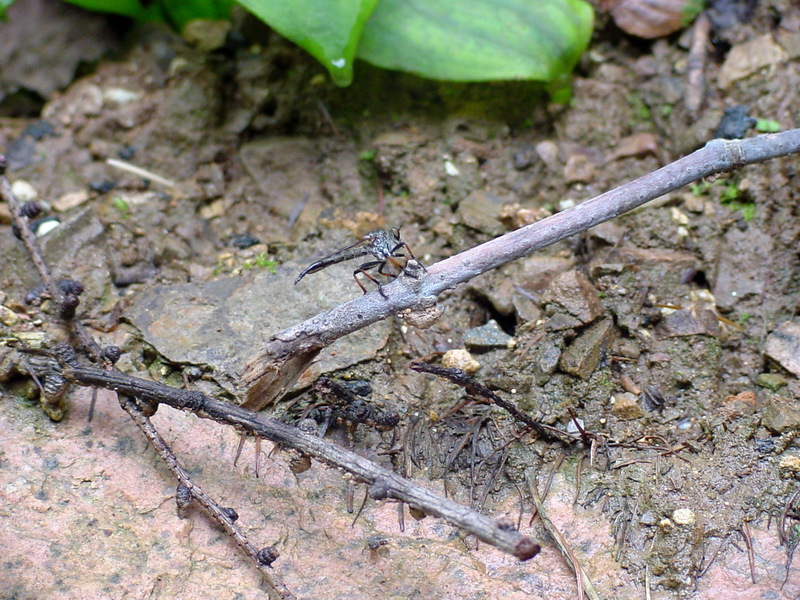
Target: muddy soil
pixel 668 335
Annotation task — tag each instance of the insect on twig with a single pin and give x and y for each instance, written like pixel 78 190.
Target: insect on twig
pixel 382 244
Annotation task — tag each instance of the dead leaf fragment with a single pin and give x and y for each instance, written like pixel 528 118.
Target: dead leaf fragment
pixel 749 58
pixel 635 145
pixel 648 19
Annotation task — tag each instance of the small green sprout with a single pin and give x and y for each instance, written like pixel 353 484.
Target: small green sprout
pixel 699 188
pixel 730 193
pixel 121 205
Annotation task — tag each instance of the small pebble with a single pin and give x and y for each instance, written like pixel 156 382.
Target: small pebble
pixel 684 516
pixel 790 465
pixel 46 225
pixel 626 406
pixel 8 317
pixel 24 191
pixel 460 358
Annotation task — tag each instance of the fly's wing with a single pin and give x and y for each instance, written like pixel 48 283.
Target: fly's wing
pixel 354 250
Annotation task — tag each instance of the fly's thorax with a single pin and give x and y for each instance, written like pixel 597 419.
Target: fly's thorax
pixel 380 243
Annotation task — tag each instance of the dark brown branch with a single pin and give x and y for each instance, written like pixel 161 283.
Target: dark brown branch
pixel 65 303
pixel 384 484
pixel 54 388
pixel 275 368
pixel 478 390
pixel 262 558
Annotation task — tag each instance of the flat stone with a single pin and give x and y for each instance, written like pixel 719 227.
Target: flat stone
pixel 497 289
pixel 573 293
pixel 740 267
pixel 561 322
pixel 627 348
pixel 487 337
pixel 608 232
pixel 781 416
pixel 686 322
pixel 546 358
pixel 583 354
pixel 783 346
pixel 648 518
pixel 481 211
pixel 536 272
pixel 220 324
pixel 527 311
pixel 771 381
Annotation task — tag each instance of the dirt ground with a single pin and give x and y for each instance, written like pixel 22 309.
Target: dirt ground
pixel 670 334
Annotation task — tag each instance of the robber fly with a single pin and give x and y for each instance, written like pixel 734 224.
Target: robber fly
pixel 382 244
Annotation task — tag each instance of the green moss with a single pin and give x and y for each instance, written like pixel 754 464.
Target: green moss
pixel 261 261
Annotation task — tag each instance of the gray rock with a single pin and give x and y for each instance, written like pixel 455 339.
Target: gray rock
pixel 480 211
pixel 573 293
pixel 780 417
pixel 220 324
pixel 526 310
pixel 740 267
pixel 583 355
pixel 536 272
pixel 487 337
pixel 685 322
pixel 608 232
pixel 562 321
pixel 783 346
pixel 496 287
pixel 546 358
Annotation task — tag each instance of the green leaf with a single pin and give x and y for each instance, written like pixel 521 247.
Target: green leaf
pixel 180 12
pixel 480 40
pixel 4 5
pixel 328 29
pixel 176 12
pixel 767 126
pixel 127 8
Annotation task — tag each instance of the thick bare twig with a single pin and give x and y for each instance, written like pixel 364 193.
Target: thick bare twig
pixel 261 558
pixel 54 389
pixel 384 484
pixel 275 368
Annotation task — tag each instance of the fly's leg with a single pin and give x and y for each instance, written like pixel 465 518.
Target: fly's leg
pixel 395 254
pixel 363 270
pixel 394 263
